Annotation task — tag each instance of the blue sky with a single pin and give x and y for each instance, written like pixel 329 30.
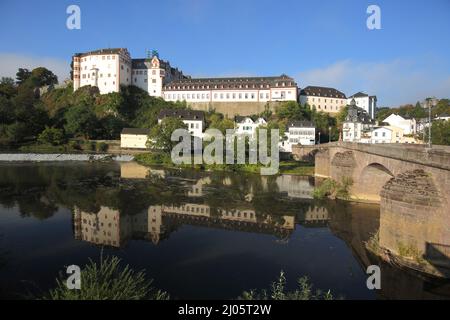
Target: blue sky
pixel 316 42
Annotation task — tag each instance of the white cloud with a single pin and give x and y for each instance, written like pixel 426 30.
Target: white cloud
pixel 394 82
pixel 11 62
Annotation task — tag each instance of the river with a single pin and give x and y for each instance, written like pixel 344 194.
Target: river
pixel 199 235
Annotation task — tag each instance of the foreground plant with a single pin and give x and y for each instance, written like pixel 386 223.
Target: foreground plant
pixel 108 281
pixel 278 291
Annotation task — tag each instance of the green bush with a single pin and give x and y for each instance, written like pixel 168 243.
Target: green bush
pixel 107 281
pixel 325 189
pixel 102 147
pixel 154 158
pixel 331 188
pixel 75 145
pixel 53 136
pixel 278 291
pixel 91 145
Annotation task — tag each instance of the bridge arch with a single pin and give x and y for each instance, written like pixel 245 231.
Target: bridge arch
pixel 371 181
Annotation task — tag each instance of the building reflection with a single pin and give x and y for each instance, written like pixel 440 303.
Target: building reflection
pixel 108 227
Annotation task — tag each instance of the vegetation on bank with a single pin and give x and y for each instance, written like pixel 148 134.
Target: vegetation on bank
pixel 278 291
pixel 286 167
pixel 72 146
pixel 333 189
pixel 107 280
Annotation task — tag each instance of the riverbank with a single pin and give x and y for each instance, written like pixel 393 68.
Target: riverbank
pixel 286 167
pixel 52 157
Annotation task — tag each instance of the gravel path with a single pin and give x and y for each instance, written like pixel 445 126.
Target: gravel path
pixel 62 157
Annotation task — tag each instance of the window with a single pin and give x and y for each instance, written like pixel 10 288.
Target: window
pixel 153 80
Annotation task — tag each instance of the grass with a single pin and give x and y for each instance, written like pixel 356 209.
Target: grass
pixel 297 168
pixel 107 281
pixel 278 291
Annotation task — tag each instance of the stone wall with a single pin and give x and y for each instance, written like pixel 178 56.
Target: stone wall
pixel 413 217
pixel 231 109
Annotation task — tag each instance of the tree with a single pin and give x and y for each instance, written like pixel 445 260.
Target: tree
pixel 22 75
pixel 217 121
pixel 442 107
pixel 7 87
pixel 42 77
pixel 16 132
pixel 53 136
pixel 81 121
pixel 159 138
pixel 440 132
pixel 418 112
pixel 292 110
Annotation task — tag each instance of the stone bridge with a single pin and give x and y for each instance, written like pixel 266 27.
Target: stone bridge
pixel 411 183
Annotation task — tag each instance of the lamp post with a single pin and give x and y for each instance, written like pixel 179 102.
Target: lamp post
pixel 429 124
pixel 329 134
pixel 319 137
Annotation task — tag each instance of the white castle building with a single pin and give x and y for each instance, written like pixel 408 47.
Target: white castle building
pixel 108 69
pixel 239 89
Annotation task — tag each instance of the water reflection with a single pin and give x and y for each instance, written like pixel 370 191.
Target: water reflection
pixel 113 204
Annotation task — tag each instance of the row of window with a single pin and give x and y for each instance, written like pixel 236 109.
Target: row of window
pixel 302 132
pixel 330 108
pixel 104 57
pixel 88 75
pixel 331 100
pixel 221 96
pixel 221 86
pixel 145 80
pixel 144 72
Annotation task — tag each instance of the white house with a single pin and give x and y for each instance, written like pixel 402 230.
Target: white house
pixel 357 125
pixel 195 120
pixel 134 138
pixel 381 135
pixel 298 132
pixel 364 101
pixel 444 116
pixel 246 126
pixel 409 126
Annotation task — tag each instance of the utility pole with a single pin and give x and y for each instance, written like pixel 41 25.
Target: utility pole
pixel 429 124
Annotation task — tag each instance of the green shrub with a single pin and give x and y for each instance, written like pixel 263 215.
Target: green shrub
pixel 107 281
pixel 102 147
pixel 325 189
pixel 53 136
pixel 75 145
pixel 278 291
pixel 154 158
pixel 92 145
pixel 331 188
